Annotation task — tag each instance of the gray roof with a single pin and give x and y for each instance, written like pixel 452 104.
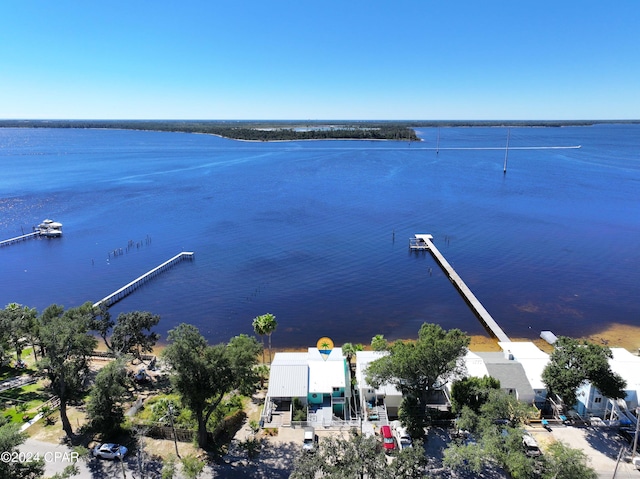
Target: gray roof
pixel 510 373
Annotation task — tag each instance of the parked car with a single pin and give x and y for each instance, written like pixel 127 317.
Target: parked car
pixel 109 450
pixel 403 438
pixel 530 445
pixel 310 440
pixel 387 438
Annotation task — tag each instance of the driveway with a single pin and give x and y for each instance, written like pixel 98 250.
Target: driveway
pixel 601 445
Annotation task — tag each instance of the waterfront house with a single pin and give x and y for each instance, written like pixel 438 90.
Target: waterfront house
pixel 379 402
pixel 591 402
pixel 319 383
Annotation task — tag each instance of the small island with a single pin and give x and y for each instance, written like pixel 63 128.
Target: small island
pixel 244 130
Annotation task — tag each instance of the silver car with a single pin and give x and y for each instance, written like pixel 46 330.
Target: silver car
pixel 109 450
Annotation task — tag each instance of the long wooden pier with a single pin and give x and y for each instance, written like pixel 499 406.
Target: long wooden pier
pixel 17 239
pixel 423 242
pixel 129 288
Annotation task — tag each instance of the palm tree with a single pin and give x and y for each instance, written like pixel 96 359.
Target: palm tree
pixel 378 343
pixel 259 330
pixel 265 324
pixel 350 350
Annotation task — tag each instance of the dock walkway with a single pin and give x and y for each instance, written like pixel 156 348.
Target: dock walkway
pixel 423 242
pixel 129 288
pixel 17 239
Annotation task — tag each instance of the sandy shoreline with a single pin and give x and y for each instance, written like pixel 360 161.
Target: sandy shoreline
pixel 616 335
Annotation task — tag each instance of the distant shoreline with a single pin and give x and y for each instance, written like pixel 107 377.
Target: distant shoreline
pixel 297 130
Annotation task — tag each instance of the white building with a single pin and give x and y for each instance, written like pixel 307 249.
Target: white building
pixel 387 394
pixel 321 383
pixel 591 402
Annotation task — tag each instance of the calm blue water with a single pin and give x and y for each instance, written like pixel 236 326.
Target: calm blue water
pixel 317 232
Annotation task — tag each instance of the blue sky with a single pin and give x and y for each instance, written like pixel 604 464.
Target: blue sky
pixel 347 59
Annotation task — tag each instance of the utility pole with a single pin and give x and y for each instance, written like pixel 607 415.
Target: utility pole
pixel 635 439
pixel 173 428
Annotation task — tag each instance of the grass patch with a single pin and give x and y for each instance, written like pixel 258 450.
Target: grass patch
pixel 19 404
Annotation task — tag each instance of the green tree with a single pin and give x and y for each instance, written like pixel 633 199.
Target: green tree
pixel 472 391
pixel 410 462
pixel 104 406
pixel 499 444
pixel 358 456
pixel 265 325
pixel 202 374
pixel 169 468
pixel 243 354
pixel 564 462
pixel 17 322
pixel 192 467
pixel 350 350
pixel 417 368
pixel 500 405
pixel 131 333
pixel 10 439
pixel 67 348
pixel 573 362
pixel 378 343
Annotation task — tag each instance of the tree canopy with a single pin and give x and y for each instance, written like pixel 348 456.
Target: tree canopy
pixel 104 406
pixel 573 362
pixel 203 374
pixel 497 432
pixel 419 367
pixel 358 456
pixel 17 322
pixel 67 347
pixel 131 333
pixel 472 391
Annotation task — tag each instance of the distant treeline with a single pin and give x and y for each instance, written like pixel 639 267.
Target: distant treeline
pixel 242 130
pixel 296 130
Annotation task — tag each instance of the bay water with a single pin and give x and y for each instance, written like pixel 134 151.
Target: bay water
pixel 317 232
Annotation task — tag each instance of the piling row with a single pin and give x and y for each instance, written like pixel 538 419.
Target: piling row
pixel 136 283
pixel 422 242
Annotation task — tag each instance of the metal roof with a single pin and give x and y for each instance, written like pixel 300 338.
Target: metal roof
pixel 288 380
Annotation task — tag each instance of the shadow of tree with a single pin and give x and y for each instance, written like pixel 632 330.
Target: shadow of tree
pixel 606 441
pixel 274 461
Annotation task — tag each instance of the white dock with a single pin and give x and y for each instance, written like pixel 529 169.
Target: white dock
pixel 423 242
pixel 129 288
pixel 17 239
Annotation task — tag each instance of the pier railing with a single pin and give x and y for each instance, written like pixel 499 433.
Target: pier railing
pixel 129 288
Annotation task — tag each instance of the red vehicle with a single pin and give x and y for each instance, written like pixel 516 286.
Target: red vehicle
pixel 387 438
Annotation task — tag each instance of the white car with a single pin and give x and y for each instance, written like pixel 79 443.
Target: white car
pixel 109 450
pixel 403 438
